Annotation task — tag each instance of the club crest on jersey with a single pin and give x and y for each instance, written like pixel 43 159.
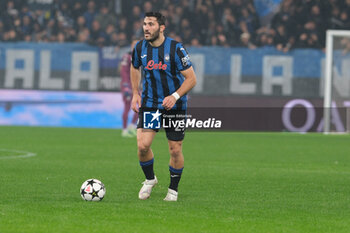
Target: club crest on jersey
pixel 167 57
pixel 151 65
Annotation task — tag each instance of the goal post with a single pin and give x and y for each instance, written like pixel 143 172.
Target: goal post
pixel 334 46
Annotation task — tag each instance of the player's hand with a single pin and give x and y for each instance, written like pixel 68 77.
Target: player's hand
pixel 169 102
pixel 136 102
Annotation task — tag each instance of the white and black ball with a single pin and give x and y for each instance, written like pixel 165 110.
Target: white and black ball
pixel 92 190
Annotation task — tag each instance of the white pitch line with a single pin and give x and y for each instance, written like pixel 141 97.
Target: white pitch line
pixel 22 154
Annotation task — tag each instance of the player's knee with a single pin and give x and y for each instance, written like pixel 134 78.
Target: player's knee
pixel 175 150
pixel 143 147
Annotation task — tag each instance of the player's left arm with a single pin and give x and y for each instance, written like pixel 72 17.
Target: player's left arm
pixel 189 82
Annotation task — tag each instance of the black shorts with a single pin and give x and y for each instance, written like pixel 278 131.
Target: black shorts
pixel 170 121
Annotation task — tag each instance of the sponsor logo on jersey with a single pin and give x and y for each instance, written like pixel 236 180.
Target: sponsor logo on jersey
pixel 151 65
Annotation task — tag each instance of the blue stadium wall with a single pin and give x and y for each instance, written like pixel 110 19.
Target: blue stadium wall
pixel 220 71
pixel 227 77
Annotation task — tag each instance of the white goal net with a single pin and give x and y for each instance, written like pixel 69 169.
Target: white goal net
pixel 337 81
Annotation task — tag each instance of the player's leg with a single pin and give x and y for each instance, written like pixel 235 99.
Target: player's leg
pixel 125 114
pixel 127 105
pixel 131 128
pixel 144 151
pixel 176 165
pixel 134 119
pixel 146 158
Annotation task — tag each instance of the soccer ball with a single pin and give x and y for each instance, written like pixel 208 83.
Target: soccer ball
pixel 92 190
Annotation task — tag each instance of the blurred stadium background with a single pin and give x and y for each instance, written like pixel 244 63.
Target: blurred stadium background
pixel 260 65
pixel 264 53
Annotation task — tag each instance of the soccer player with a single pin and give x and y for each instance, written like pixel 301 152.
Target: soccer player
pixel 125 85
pixel 168 76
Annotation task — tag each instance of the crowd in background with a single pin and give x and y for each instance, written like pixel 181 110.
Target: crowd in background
pixel 231 23
pixel 303 23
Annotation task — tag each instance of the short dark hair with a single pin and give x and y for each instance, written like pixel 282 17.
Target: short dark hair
pixel 160 18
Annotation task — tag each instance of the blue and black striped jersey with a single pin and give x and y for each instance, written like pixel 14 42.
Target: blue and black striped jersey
pixel 161 66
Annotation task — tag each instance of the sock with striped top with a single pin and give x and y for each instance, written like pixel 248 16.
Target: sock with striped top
pixel 147 168
pixel 175 176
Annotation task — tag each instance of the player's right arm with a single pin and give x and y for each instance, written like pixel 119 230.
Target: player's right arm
pixel 135 77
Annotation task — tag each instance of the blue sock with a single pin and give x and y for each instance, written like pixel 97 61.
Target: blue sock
pixel 175 176
pixel 147 168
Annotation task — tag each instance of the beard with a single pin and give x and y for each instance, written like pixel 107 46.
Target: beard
pixel 154 36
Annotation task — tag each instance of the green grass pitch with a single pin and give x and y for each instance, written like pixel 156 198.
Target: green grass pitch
pixel 232 182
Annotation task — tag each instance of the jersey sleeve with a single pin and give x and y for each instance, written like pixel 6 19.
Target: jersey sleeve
pixel 136 53
pixel 182 58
